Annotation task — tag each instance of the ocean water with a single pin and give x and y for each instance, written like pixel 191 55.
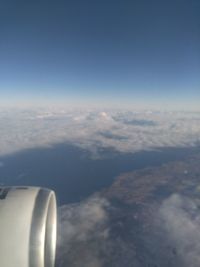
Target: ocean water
pixel 73 173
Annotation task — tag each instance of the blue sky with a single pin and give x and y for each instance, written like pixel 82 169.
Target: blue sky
pixel 144 53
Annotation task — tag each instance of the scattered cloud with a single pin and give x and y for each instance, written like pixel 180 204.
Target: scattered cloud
pixel 91 234
pixel 124 131
pixel 82 226
pixel 181 220
pixel 88 236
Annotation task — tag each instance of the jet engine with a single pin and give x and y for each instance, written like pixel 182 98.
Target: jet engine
pixel 28 227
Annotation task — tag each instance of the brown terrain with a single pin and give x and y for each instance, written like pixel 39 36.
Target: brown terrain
pixel 144 186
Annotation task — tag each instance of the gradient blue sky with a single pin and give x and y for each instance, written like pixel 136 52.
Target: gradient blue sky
pixel 144 53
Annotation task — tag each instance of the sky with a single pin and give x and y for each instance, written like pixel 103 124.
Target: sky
pixel 136 53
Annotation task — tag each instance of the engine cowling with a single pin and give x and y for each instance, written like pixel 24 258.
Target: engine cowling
pixel 28 227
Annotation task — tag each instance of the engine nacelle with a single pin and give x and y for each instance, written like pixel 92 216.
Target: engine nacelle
pixel 28 227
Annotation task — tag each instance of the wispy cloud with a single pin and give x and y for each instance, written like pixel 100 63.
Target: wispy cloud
pixel 181 220
pixel 82 226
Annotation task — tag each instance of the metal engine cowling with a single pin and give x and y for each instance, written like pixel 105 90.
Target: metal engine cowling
pixel 28 227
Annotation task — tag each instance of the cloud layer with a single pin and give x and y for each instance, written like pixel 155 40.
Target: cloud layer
pixel 124 131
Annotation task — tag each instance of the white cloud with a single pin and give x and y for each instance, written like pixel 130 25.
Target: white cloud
pixel 81 227
pixel 87 236
pixel 125 131
pixel 181 219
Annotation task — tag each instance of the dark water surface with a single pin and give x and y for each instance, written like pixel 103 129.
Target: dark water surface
pixel 72 173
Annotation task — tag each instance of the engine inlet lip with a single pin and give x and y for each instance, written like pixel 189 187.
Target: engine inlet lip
pixel 50 232
pixel 43 230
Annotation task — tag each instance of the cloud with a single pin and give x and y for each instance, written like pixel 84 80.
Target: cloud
pixel 90 235
pixel 181 219
pixel 124 131
pixel 82 227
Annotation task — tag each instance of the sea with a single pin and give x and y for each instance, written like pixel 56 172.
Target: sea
pixel 74 173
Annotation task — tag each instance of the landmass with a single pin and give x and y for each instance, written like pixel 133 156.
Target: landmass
pixel 152 212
